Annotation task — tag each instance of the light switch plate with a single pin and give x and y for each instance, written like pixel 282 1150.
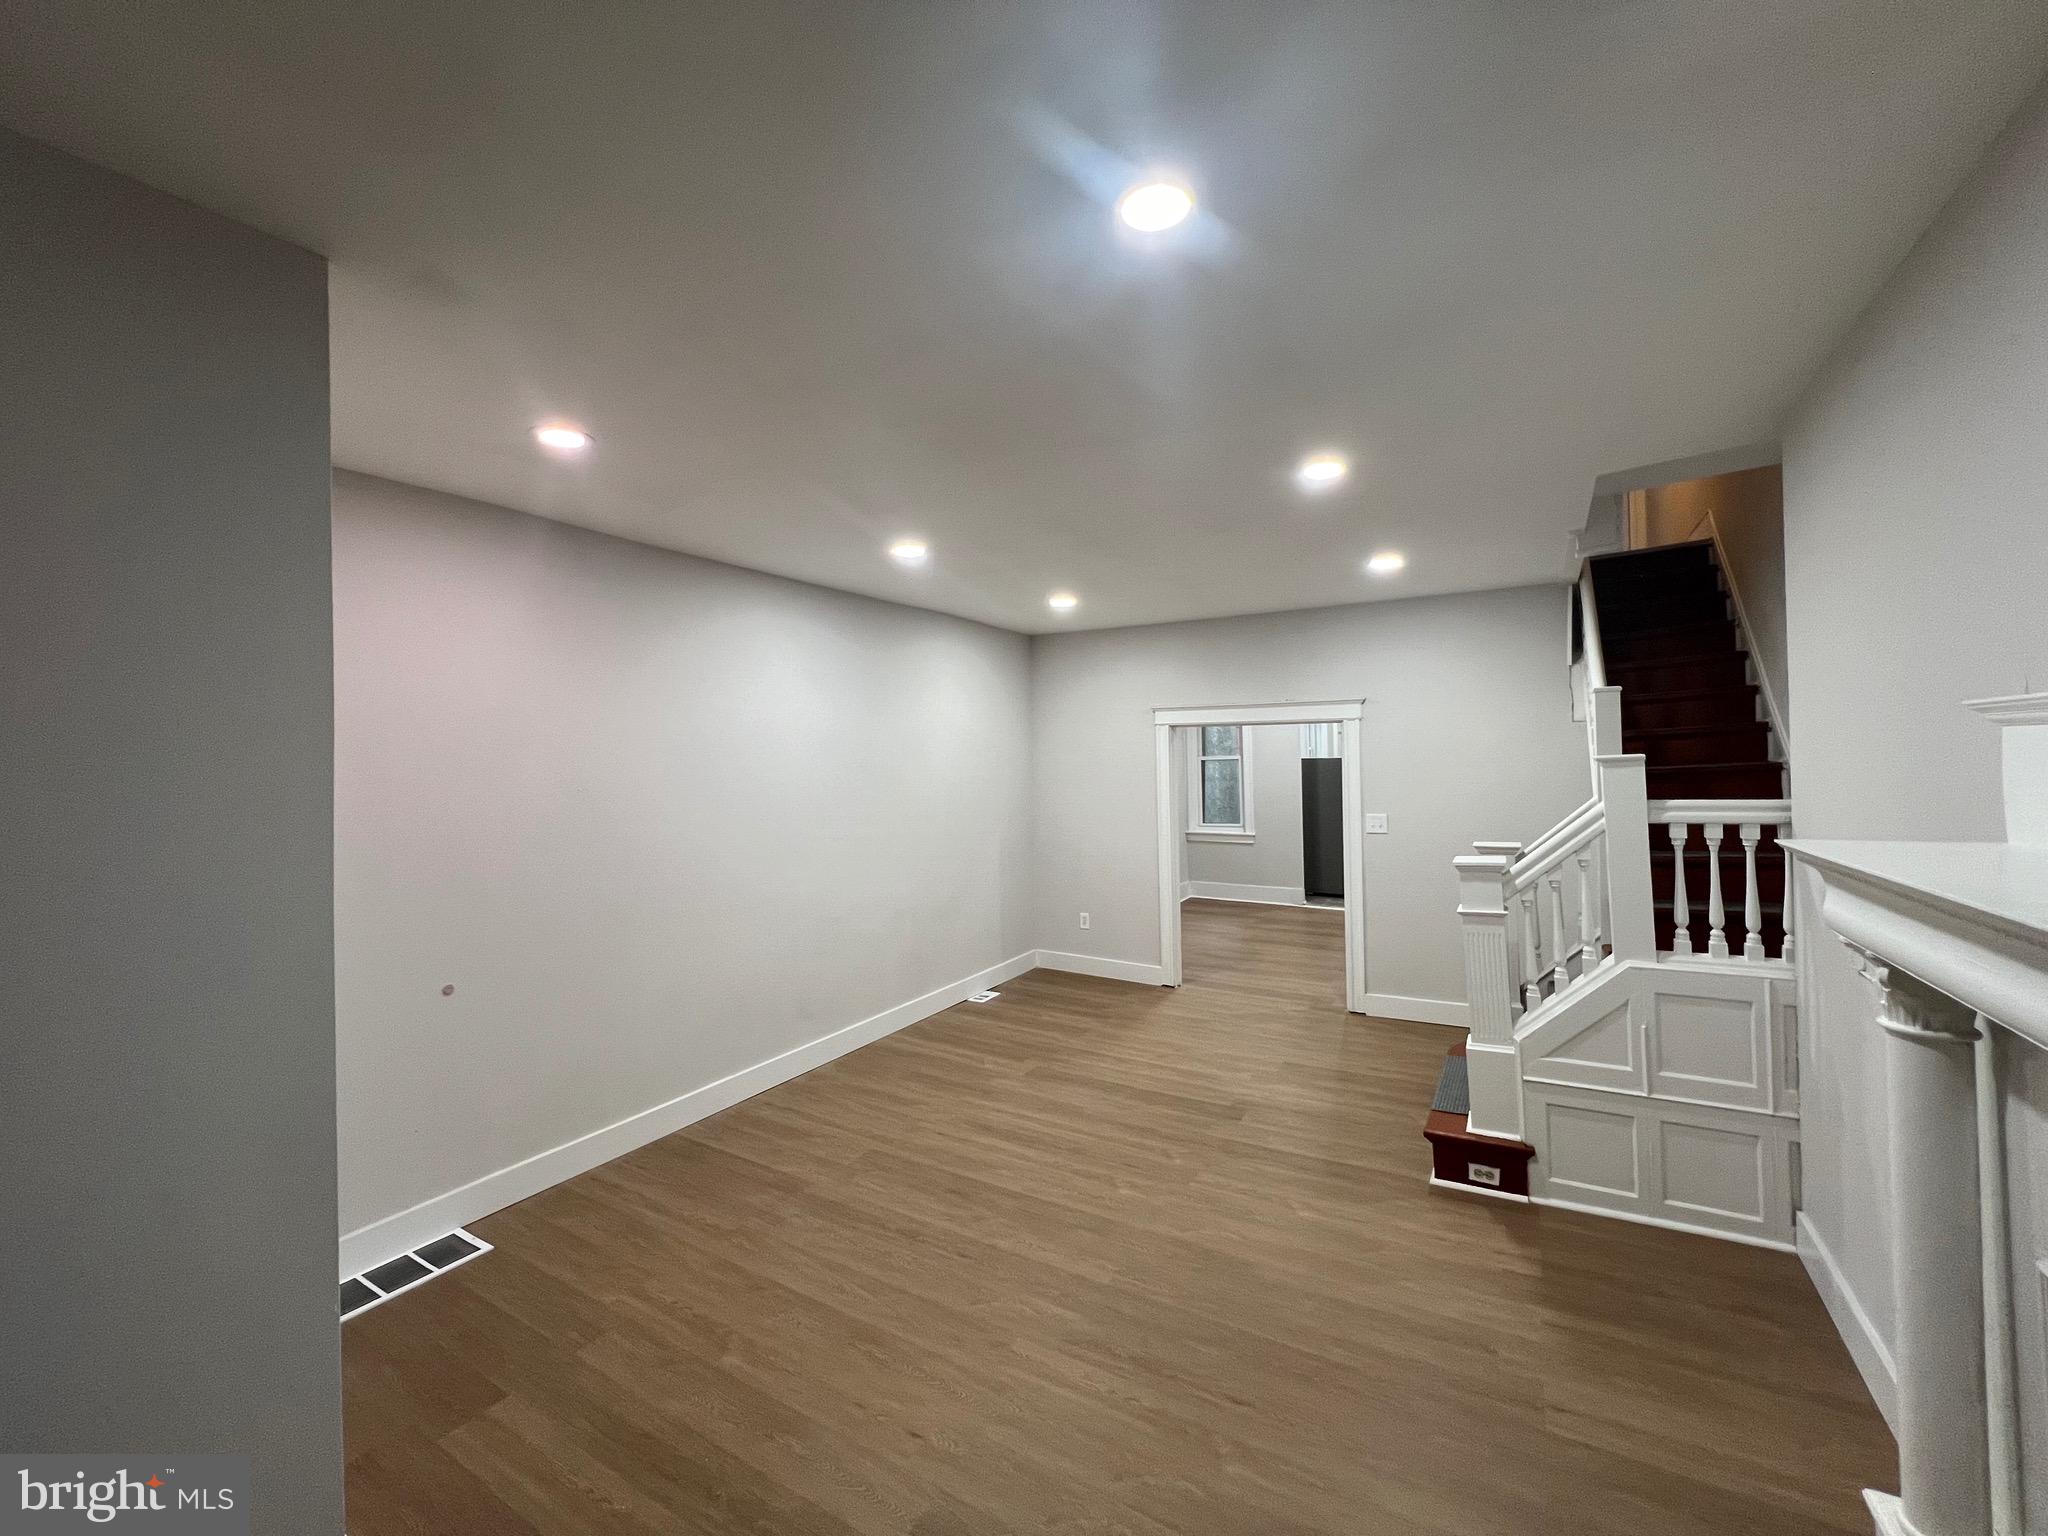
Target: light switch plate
pixel 1375 821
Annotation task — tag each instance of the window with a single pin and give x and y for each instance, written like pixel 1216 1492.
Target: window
pixel 1322 740
pixel 1220 793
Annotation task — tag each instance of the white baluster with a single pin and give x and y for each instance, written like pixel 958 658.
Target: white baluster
pixel 1681 914
pixel 1560 971
pixel 1532 966
pixel 1752 902
pixel 1791 889
pixel 1589 919
pixel 1717 914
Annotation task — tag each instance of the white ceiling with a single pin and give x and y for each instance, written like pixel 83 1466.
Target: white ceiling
pixel 820 273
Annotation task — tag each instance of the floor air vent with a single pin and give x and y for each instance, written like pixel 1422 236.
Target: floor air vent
pixel 983 997
pixel 394 1276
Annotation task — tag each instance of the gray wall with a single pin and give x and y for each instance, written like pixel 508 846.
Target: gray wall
pixel 1468 734
pixel 1916 555
pixel 657 820
pixel 167 1098
pixel 1273 858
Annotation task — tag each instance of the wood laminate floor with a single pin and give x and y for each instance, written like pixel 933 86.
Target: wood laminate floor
pixel 1101 1258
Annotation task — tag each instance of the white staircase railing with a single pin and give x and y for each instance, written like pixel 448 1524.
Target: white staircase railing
pixel 1539 921
pixel 1715 818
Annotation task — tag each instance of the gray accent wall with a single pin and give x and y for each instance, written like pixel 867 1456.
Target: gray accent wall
pixel 166 927
pixel 1916 559
pixel 655 820
pixel 1468 734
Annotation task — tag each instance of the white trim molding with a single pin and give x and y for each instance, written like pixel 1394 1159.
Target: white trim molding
pixel 1264 895
pixel 378 1241
pixel 1774 715
pixel 2012 709
pixel 1867 1347
pixel 1172 813
pixel 1666 1223
pixel 1477 1189
pixel 2022 721
pixel 1103 966
pixel 1314 712
pixel 1418 1010
pixel 1245 828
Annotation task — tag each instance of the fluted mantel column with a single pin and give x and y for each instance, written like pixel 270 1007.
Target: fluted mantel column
pixel 1937 1257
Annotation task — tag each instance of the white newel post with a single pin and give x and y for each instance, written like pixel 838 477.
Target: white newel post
pixel 1944 1466
pixel 1489 995
pixel 1624 787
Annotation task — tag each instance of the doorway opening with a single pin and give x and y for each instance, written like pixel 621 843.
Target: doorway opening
pixel 1260 804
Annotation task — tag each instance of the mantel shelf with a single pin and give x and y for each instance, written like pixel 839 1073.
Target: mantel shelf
pixel 1968 918
pixel 2001 883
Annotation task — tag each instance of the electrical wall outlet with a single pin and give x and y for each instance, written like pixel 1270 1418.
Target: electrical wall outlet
pixel 1480 1173
pixel 1375 821
pixel 1084 919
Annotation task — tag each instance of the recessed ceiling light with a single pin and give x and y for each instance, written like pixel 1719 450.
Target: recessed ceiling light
pixel 909 551
pixel 1322 471
pixel 1062 602
pixel 562 439
pixel 1386 562
pixel 1151 206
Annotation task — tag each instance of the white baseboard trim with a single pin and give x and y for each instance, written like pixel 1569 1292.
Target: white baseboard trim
pixel 1476 1189
pixel 1098 965
pixel 1423 1010
pixel 1264 895
pixel 1888 1512
pixel 371 1245
pixel 1866 1346
pixel 1748 1239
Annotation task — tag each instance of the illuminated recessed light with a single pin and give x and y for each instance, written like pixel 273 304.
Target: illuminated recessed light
pixel 1152 206
pixel 1321 471
pixel 1386 562
pixel 909 551
pixel 1062 602
pixel 562 439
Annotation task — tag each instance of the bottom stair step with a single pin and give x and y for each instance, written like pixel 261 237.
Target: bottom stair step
pixel 1485 1164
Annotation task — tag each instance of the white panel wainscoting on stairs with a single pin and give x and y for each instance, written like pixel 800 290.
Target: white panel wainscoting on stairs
pixel 1692 1167
pixel 1663 1092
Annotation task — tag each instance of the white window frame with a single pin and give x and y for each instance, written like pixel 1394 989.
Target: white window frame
pixel 1240 831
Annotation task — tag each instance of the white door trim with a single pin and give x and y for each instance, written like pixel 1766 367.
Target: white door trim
pixel 1349 713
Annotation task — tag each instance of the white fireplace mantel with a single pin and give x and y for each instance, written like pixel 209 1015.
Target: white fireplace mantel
pixel 1955 937
pixel 1970 919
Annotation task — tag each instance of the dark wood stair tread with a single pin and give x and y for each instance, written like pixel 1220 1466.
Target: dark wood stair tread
pixel 1704 729
pixel 1679 659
